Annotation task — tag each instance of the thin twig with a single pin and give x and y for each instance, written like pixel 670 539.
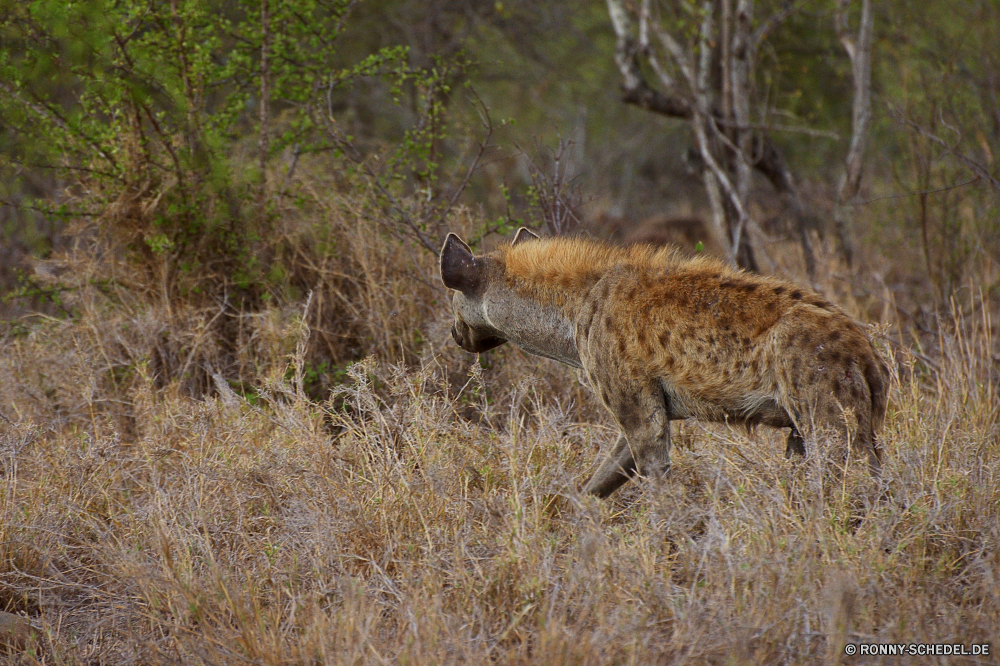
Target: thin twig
pixel 765 29
pixel 484 116
pixel 296 152
pixel 767 127
pixel 47 112
pixel 912 194
pixel 976 167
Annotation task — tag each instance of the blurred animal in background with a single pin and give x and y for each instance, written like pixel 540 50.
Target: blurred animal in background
pixel 689 233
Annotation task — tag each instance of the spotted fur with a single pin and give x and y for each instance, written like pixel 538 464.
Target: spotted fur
pixel 661 337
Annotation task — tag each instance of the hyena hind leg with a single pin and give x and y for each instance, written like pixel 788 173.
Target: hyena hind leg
pixel 795 444
pixel 849 414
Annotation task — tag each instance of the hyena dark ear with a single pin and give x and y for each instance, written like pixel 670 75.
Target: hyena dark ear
pixel 523 234
pixel 459 269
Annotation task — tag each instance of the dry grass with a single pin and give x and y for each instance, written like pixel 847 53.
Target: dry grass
pixel 428 511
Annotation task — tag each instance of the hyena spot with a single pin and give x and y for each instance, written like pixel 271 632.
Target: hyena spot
pixel 797 295
pixel 778 291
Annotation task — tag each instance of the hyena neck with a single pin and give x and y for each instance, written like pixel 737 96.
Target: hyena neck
pixel 539 326
pixel 544 283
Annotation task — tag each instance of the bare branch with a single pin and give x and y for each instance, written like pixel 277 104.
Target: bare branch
pixel 860 54
pixel 902 195
pixel 976 167
pixel 697 97
pixel 765 29
pixel 395 204
pixel 625 50
pixel 558 206
pixel 705 37
pixel 720 175
pixel 484 116
pixel 726 59
pixel 648 51
pixel 676 52
pixel 636 90
pixel 840 24
pixel 770 127
pixel 772 164
pixel 740 83
pixel 296 153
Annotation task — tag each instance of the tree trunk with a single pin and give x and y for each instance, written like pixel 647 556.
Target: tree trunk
pixel 859 50
pixel 739 85
pixel 708 99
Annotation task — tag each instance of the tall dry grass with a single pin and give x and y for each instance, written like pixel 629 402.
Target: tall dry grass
pixel 171 495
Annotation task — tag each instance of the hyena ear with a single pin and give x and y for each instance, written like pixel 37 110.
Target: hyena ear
pixel 459 269
pixel 523 234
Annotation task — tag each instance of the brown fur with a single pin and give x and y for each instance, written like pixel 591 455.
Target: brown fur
pixel 682 232
pixel 660 337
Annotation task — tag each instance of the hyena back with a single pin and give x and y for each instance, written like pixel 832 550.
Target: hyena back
pixel 660 337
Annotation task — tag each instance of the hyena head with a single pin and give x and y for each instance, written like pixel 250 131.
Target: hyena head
pixel 473 278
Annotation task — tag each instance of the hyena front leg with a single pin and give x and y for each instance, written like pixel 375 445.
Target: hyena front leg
pixel 618 468
pixel 644 444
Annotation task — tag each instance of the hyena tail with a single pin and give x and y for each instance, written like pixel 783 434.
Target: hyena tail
pixel 877 376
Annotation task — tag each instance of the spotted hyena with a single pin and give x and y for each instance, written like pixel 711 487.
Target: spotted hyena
pixel 660 337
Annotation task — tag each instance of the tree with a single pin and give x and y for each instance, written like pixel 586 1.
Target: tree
pixel 698 60
pixel 144 105
pixel 859 50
